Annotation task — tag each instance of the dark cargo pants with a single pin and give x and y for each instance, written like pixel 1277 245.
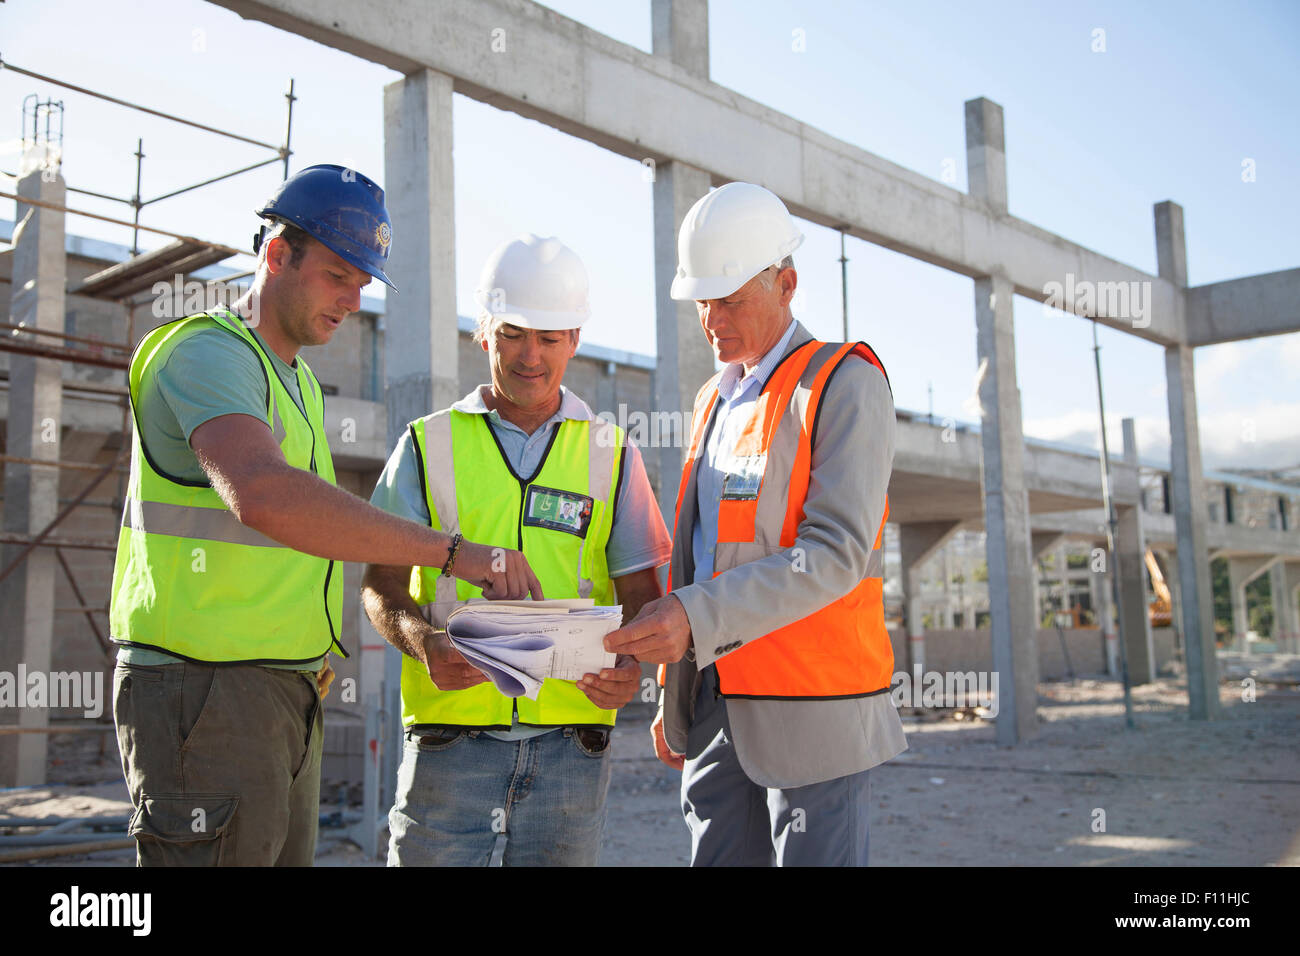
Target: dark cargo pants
pixel 222 763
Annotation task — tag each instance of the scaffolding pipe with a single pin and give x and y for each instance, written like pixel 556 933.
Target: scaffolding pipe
pixel 93 729
pixel 47 839
pixel 135 200
pixel 55 462
pixel 1112 528
pixel 288 129
pixel 118 222
pixel 44 533
pixel 844 286
pixel 63 335
pixel 11 822
pixel 89 611
pixel 45 852
pixel 136 106
pixel 59 353
pixel 209 182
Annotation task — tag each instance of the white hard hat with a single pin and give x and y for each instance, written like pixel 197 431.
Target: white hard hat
pixel 729 236
pixel 534 283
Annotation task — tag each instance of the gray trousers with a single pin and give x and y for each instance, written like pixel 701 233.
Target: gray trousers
pixel 735 822
pixel 222 763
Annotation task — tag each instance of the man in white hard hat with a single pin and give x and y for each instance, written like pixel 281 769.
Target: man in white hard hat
pixel 521 463
pixel 776 687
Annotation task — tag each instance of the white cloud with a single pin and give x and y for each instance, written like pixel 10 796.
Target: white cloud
pixel 1263 435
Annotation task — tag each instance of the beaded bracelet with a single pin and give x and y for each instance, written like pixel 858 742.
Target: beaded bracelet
pixel 451 554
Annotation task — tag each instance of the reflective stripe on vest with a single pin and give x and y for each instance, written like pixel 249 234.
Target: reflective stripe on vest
pixel 583 459
pixel 205 524
pixel 842 650
pixel 189 578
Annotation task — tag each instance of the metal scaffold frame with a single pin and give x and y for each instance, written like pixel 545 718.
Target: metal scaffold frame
pixel 120 283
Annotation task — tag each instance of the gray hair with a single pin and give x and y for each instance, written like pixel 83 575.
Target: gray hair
pixel 768 275
pixel 486 327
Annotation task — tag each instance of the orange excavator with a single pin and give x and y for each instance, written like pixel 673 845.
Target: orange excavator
pixel 1161 609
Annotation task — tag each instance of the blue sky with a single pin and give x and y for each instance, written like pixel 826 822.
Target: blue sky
pixel 1180 96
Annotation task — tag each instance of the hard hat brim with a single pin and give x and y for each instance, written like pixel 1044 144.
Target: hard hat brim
pixel 694 288
pixel 537 319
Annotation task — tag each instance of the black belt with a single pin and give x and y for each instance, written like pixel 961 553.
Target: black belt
pixel 593 738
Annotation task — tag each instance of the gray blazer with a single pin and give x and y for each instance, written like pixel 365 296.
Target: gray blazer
pixel 792 743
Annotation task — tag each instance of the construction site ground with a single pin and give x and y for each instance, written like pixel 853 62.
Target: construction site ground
pixel 1083 791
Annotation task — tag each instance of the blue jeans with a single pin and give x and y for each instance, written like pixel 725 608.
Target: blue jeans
pixel 457 795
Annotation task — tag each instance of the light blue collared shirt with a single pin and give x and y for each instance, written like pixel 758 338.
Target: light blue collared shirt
pixel 737 393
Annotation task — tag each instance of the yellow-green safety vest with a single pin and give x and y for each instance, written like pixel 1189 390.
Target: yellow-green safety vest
pixel 560 518
pixel 189 578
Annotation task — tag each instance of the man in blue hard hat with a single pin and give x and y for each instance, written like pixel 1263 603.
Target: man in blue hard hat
pixel 227 594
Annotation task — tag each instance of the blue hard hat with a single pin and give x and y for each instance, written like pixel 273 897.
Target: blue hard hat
pixel 342 210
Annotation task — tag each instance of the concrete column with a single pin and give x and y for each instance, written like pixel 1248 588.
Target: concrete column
pixel 1006 501
pixel 1040 542
pixel 1283 610
pixel 1167 567
pixel 918 542
pixel 31 492
pixel 685 360
pixel 421 344
pixel 421 367
pixel 680 32
pixel 945 614
pixel 1131 545
pixel 1291 588
pixel 1187 484
pixel 986 153
pixel 1063 579
pixel 1108 620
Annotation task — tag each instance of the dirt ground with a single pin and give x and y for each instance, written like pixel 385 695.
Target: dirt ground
pixel 1171 792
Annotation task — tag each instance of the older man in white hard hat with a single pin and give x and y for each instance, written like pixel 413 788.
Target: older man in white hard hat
pixel 776 691
pixel 520 463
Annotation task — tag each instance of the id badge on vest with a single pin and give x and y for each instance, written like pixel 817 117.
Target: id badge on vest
pixel 743 477
pixel 558 510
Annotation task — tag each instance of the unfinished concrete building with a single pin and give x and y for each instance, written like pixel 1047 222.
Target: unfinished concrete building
pixel 397 363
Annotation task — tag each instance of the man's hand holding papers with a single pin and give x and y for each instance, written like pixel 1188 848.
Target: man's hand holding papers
pixel 613 687
pixel 447 667
pixel 519 644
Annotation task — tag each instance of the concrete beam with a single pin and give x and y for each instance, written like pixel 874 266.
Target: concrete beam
pixel 1244 308
pixel 31 492
pixel 420 338
pixel 1187 484
pixel 523 57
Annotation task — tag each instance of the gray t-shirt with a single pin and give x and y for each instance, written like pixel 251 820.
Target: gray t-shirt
pixel 210 374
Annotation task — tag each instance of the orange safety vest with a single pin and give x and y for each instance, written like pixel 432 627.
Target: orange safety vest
pixel 842 650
